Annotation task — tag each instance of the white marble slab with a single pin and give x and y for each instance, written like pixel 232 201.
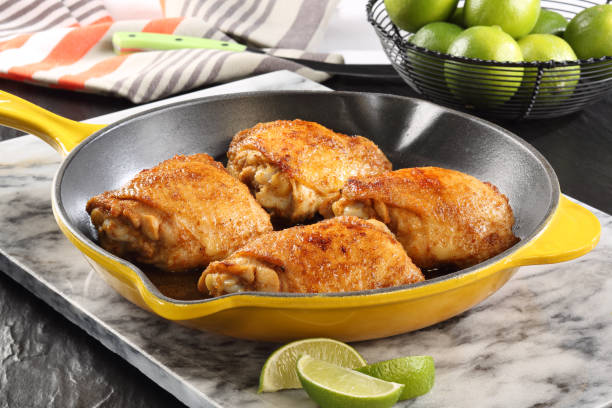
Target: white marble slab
pixel 543 340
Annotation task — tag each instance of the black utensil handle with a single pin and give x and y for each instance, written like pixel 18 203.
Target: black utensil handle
pixel 366 71
pixel 369 71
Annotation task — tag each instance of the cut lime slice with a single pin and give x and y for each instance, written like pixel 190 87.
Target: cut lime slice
pixel 417 373
pixel 332 386
pixel 278 373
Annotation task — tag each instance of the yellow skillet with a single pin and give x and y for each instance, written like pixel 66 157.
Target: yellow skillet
pixel 569 231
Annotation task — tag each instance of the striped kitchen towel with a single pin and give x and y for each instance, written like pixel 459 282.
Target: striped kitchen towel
pixel 67 44
pixel 28 16
pixel 279 24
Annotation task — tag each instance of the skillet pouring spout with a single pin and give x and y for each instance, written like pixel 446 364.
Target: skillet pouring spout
pixel 410 132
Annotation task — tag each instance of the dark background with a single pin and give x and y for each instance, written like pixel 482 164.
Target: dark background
pixel 45 360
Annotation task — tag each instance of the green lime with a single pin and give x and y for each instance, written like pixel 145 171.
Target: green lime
pixel 410 15
pixel 278 372
pixel 549 22
pixel 417 373
pixel 590 32
pixel 332 386
pixel 436 36
pixel 515 17
pixel 556 84
pixel 480 84
pixel 433 36
pixel 457 17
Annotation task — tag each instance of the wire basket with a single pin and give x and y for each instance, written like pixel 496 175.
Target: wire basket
pixel 511 90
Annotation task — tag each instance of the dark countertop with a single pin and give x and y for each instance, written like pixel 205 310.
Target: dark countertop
pixel 46 360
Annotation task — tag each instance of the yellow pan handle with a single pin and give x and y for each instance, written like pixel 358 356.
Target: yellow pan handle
pixel 572 232
pixel 61 133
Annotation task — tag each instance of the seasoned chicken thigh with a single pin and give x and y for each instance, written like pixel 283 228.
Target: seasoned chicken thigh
pixel 442 217
pixel 336 255
pixel 296 168
pixel 181 214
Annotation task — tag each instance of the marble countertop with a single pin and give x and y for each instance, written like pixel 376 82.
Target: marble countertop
pixel 542 340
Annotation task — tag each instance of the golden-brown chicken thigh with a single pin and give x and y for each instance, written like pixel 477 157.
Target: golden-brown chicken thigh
pixel 297 168
pixel 337 255
pixel 442 217
pixel 181 214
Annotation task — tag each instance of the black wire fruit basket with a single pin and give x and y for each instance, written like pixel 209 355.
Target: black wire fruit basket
pixel 511 90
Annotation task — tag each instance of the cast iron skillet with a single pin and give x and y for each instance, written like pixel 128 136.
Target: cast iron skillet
pixel 410 132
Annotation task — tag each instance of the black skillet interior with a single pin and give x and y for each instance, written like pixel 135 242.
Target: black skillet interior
pixel 410 132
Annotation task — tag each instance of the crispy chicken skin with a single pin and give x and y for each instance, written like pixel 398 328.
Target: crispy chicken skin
pixel 181 214
pixel 442 217
pixel 297 168
pixel 337 255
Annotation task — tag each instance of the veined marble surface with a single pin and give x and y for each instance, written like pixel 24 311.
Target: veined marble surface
pixel 542 340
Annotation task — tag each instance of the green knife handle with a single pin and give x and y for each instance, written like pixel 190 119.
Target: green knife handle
pixel 135 41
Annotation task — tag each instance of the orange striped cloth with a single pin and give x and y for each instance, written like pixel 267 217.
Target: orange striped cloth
pixel 67 44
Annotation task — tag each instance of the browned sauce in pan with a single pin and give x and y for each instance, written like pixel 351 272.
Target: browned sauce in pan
pixel 180 286
pixel 183 286
pixel 437 272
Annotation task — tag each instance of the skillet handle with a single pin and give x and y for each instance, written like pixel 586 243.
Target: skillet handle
pixel 572 232
pixel 61 133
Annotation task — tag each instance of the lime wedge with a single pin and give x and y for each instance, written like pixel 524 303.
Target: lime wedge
pixel 332 386
pixel 278 373
pixel 417 373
